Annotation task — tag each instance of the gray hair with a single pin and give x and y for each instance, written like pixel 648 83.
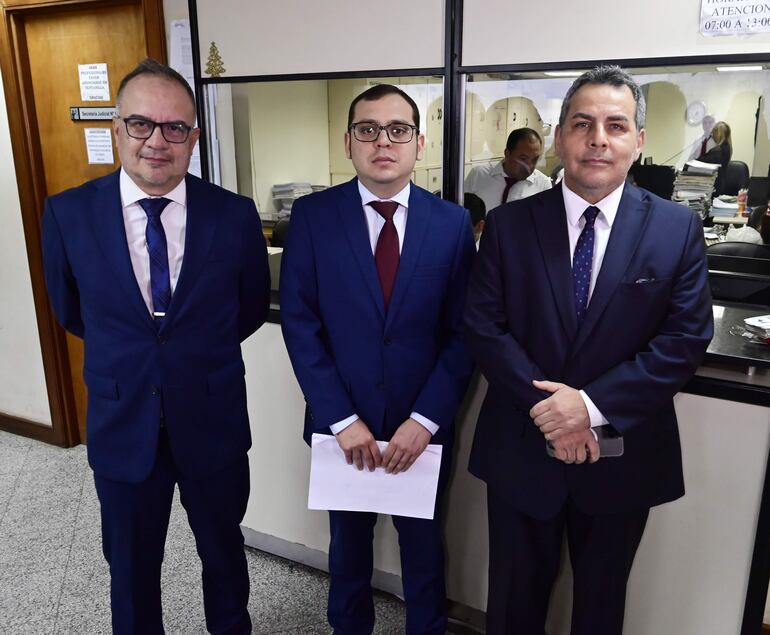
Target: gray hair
pixel 149 66
pixel 612 76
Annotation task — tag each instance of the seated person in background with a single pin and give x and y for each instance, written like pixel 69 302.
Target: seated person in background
pixel 514 177
pixel 478 214
pixel 720 153
pixel 755 231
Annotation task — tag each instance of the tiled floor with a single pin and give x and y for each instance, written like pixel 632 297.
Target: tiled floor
pixel 53 578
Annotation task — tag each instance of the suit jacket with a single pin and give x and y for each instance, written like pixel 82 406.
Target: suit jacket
pixel 190 369
pixel 350 356
pixel 646 329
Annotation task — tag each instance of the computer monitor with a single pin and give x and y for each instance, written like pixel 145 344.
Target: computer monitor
pixel 739 279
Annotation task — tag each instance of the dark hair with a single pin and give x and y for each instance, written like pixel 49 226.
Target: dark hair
pixel 522 133
pixel 476 208
pixel 611 76
pixel 149 66
pixel 378 92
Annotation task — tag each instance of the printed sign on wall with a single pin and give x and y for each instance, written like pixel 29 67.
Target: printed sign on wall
pixel 734 17
pixel 94 83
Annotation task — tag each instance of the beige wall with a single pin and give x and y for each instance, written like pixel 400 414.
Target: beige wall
pixel 22 383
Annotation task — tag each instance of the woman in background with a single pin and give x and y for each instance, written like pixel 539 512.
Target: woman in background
pixel 720 153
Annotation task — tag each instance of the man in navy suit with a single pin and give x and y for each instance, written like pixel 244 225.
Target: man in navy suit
pixel 163 276
pixel 588 309
pixel 372 287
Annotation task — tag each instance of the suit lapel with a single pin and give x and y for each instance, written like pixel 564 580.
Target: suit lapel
pixel 417 218
pixel 200 227
pixel 110 232
pixel 626 232
pixel 550 219
pixel 353 221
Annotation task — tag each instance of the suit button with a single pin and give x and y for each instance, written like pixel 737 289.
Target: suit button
pixel 155 390
pixel 387 341
pixel 161 340
pixel 381 386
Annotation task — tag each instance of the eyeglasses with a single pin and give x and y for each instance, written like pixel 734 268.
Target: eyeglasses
pixel 368 131
pixel 172 131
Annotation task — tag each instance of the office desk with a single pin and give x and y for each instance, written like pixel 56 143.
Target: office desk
pixel 730 220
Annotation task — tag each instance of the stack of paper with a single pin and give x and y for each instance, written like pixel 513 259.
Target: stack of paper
pixel 758 326
pixel 284 195
pixel 698 167
pixel 694 190
pixel 721 207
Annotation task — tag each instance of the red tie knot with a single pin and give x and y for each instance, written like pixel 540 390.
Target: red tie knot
pixel 386 209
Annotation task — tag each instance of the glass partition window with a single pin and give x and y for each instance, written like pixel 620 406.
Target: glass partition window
pixel 681 103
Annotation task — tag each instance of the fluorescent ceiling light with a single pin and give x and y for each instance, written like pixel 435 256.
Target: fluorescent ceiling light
pixel 564 73
pixel 728 69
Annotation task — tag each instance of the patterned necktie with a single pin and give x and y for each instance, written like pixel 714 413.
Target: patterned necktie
pixel 582 261
pixel 160 284
pixel 509 181
pixel 386 254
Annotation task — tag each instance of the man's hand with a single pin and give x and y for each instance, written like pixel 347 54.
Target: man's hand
pixel 407 444
pixel 562 413
pixel 576 447
pixel 359 446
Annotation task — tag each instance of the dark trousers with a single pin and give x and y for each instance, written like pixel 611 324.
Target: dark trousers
pixel 524 557
pixel 134 524
pixel 351 609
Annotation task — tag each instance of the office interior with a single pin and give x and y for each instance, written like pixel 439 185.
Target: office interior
pixel 278 116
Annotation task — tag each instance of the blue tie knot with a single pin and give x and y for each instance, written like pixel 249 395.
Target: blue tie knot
pixel 154 207
pixel 590 215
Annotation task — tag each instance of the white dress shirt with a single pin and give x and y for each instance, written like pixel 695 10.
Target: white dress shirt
pixel 575 206
pixel 375 223
pixel 488 183
pixel 174 221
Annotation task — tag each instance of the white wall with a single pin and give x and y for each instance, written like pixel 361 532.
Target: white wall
pixel 22 383
pixel 505 32
pixel 308 36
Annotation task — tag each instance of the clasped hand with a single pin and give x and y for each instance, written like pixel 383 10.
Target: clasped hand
pixel 360 447
pixel 563 419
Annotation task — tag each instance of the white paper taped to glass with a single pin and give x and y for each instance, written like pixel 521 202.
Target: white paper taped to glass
pixel 336 485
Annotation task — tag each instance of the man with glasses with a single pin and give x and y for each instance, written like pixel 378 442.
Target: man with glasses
pixel 372 287
pixel 513 178
pixel 163 276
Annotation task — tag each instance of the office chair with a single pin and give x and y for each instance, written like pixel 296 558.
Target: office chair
pixel 280 231
pixel 744 250
pixel 736 177
pixel 759 192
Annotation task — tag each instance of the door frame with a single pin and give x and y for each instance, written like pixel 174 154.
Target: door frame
pixel 30 178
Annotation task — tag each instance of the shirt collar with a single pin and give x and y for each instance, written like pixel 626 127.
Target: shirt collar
pixel 575 205
pixel 402 198
pixel 499 171
pixel 130 192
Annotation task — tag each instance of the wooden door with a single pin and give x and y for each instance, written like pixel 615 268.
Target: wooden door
pixel 50 42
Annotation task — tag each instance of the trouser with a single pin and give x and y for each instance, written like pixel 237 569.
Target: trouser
pixel 524 558
pixel 135 520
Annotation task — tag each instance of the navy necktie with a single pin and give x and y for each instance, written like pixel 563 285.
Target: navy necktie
pixel 582 261
pixel 387 253
pixel 160 283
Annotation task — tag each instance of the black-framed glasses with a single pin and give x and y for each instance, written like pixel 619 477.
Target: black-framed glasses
pixel 369 131
pixel 172 131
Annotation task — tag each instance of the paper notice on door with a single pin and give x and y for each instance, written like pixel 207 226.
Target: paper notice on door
pixel 94 82
pixel 336 485
pixel 99 146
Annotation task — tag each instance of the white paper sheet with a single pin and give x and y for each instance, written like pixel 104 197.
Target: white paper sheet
pixel 336 485
pixel 94 82
pixel 99 146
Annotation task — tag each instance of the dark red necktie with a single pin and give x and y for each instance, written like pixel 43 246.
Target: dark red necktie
pixel 386 254
pixel 703 146
pixel 509 181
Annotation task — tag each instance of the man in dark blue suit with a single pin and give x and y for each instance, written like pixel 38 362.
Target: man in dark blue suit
pixel 372 287
pixel 163 276
pixel 588 309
